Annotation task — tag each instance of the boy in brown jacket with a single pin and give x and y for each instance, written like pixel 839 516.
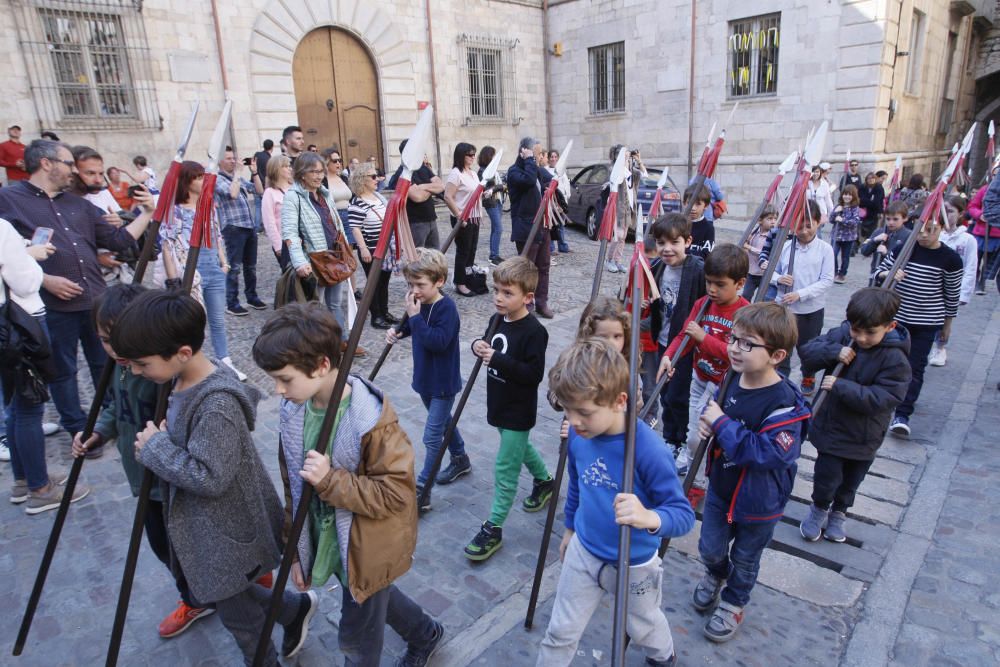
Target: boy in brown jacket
pixel 362 525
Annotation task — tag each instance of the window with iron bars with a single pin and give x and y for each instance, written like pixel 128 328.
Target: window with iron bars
pixel 753 56
pixel 607 78
pixel 88 63
pixel 488 88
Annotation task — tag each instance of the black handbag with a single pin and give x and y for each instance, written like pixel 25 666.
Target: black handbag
pixel 25 353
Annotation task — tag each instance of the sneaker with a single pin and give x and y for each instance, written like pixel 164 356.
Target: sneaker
pixel 48 428
pixel 980 290
pixel 257 304
pixel 541 492
pixel 19 491
pixel 812 528
pixel 621 267
pixel 4 449
pixel 840 280
pixel 426 506
pixel 938 356
pixel 725 621
pixel 683 461
pixel 240 375
pixel 39 502
pixel 237 310
pixel 835 527
pixel 495 259
pixel 485 543
pixel 458 466
pixel 808 386
pixel 900 426
pixel 669 662
pixel 610 267
pixel 297 631
pixel 181 619
pixel 706 593
pixel 418 657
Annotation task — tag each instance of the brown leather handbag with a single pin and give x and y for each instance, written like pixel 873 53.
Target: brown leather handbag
pixel 335 265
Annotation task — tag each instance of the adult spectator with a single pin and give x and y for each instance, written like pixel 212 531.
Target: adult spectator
pixel 72 278
pixel 119 189
pixel 819 191
pixel 22 276
pixel 294 142
pixel 458 188
pixel 424 186
pixel 279 180
pixel 12 155
pixel 262 156
pixel 491 202
pixel 872 196
pixel 312 148
pixel 851 176
pixel 146 175
pixel 309 223
pixel 232 201
pixel 340 189
pixel 563 191
pixel 366 214
pixel 355 162
pixel 89 183
pixel 527 181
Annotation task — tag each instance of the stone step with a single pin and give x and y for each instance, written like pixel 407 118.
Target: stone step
pixel 873 486
pixel 876 538
pixel 886 467
pixel 865 508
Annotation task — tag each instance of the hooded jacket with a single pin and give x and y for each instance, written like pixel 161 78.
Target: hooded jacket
pixel 691 289
pixel 855 418
pixel 766 457
pixel 525 182
pixel 371 485
pixel 222 513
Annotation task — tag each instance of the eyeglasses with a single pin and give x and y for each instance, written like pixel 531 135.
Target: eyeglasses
pixel 337 160
pixel 470 155
pixel 374 177
pixel 743 344
pixel 316 172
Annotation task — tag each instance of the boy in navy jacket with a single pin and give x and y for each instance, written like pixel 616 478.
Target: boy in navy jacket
pixel 590 381
pixel 757 433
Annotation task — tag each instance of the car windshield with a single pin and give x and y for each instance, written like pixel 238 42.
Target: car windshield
pixel 650 181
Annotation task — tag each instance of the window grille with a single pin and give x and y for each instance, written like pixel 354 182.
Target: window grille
pixel 607 78
pixel 488 84
pixel 753 56
pixel 88 63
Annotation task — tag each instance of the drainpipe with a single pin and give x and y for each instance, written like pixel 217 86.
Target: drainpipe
pixel 434 100
pixel 693 43
pixel 222 67
pixel 545 69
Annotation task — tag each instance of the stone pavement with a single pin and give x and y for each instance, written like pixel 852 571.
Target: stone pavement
pixel 913 584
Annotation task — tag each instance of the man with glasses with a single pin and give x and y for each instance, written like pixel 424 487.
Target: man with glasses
pixel 72 279
pixel 232 203
pixel 851 177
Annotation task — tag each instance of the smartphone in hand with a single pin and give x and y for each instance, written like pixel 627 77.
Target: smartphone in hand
pixel 42 236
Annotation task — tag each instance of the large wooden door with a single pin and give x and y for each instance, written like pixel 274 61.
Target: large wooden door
pixel 336 92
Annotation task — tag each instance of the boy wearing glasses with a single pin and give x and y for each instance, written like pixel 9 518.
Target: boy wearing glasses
pixel 757 427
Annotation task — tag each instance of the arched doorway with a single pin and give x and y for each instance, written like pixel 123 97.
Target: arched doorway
pixel 336 94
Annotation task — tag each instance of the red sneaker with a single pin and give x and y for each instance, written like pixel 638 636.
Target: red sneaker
pixel 266 580
pixel 181 619
pixel 695 497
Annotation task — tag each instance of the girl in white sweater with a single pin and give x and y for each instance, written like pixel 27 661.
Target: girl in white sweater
pixel 958 238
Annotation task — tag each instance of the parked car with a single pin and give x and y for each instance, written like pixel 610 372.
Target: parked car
pixel 585 196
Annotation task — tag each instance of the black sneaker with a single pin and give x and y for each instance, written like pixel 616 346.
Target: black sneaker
pixel 458 466
pixel 485 543
pixel 497 259
pixel 418 657
pixel 257 304
pixel 297 631
pixel 237 310
pixel 541 491
pixel 426 506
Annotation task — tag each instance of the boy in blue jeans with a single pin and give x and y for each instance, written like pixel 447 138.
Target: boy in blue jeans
pixel 757 433
pixel 590 381
pixel 433 323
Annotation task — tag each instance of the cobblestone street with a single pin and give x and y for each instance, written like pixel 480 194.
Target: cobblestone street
pixel 915 585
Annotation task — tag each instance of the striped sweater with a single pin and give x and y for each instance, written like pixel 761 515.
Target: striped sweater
pixel 930 291
pixel 367 216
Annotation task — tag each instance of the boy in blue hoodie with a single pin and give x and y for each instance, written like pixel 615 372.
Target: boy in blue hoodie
pixel 590 381
pixel 757 433
pixel 848 433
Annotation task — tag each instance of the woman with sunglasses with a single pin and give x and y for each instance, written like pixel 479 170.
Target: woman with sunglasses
pixel 459 187
pixel 366 214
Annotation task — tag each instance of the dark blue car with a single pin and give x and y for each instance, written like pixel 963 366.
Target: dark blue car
pixel 585 195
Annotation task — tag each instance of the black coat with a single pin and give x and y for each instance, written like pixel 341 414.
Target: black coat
pixel 853 421
pixel 692 288
pixel 525 182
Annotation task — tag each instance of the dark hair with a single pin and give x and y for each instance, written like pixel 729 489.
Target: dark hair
pixel 268 144
pixel 704 195
pixel 852 190
pixel 110 304
pixel 140 161
pixel 461 150
pixel 957 203
pixel 727 260
pixel 771 322
pixel 486 155
pixel 872 307
pixel 288 131
pixel 298 335
pixel 916 182
pixel 81 153
pixel 649 243
pixel 671 226
pixel 229 149
pixel 41 149
pixel 189 173
pixel 613 152
pixel 898 207
pixel 813 212
pixel 159 322
pixel 881 172
pixel 48 134
pixel 768 211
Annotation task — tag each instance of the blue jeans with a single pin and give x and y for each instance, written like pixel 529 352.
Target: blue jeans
pixel 241 250
pixel 69 330
pixel 438 416
pixel 737 565
pixel 496 229
pixel 921 339
pixel 842 257
pixel 557 237
pixel 26 440
pixel 258 219
pixel 213 291
pixel 333 297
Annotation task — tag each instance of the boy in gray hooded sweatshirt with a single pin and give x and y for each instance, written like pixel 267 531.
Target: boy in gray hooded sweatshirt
pixel 222 514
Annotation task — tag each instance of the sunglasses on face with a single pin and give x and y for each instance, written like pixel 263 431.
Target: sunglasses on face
pixel 337 160
pixel 470 155
pixel 374 177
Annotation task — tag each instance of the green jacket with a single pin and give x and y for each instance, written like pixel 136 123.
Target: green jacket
pixel 301 226
pixel 133 403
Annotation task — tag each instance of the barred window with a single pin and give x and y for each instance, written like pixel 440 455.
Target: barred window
pixel 88 63
pixel 753 56
pixel 488 79
pixel 607 78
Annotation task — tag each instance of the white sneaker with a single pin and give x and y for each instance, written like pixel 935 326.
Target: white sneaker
pixel 683 461
pixel 240 375
pixel 938 356
pixel 48 428
pixel 611 267
pixel 4 450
